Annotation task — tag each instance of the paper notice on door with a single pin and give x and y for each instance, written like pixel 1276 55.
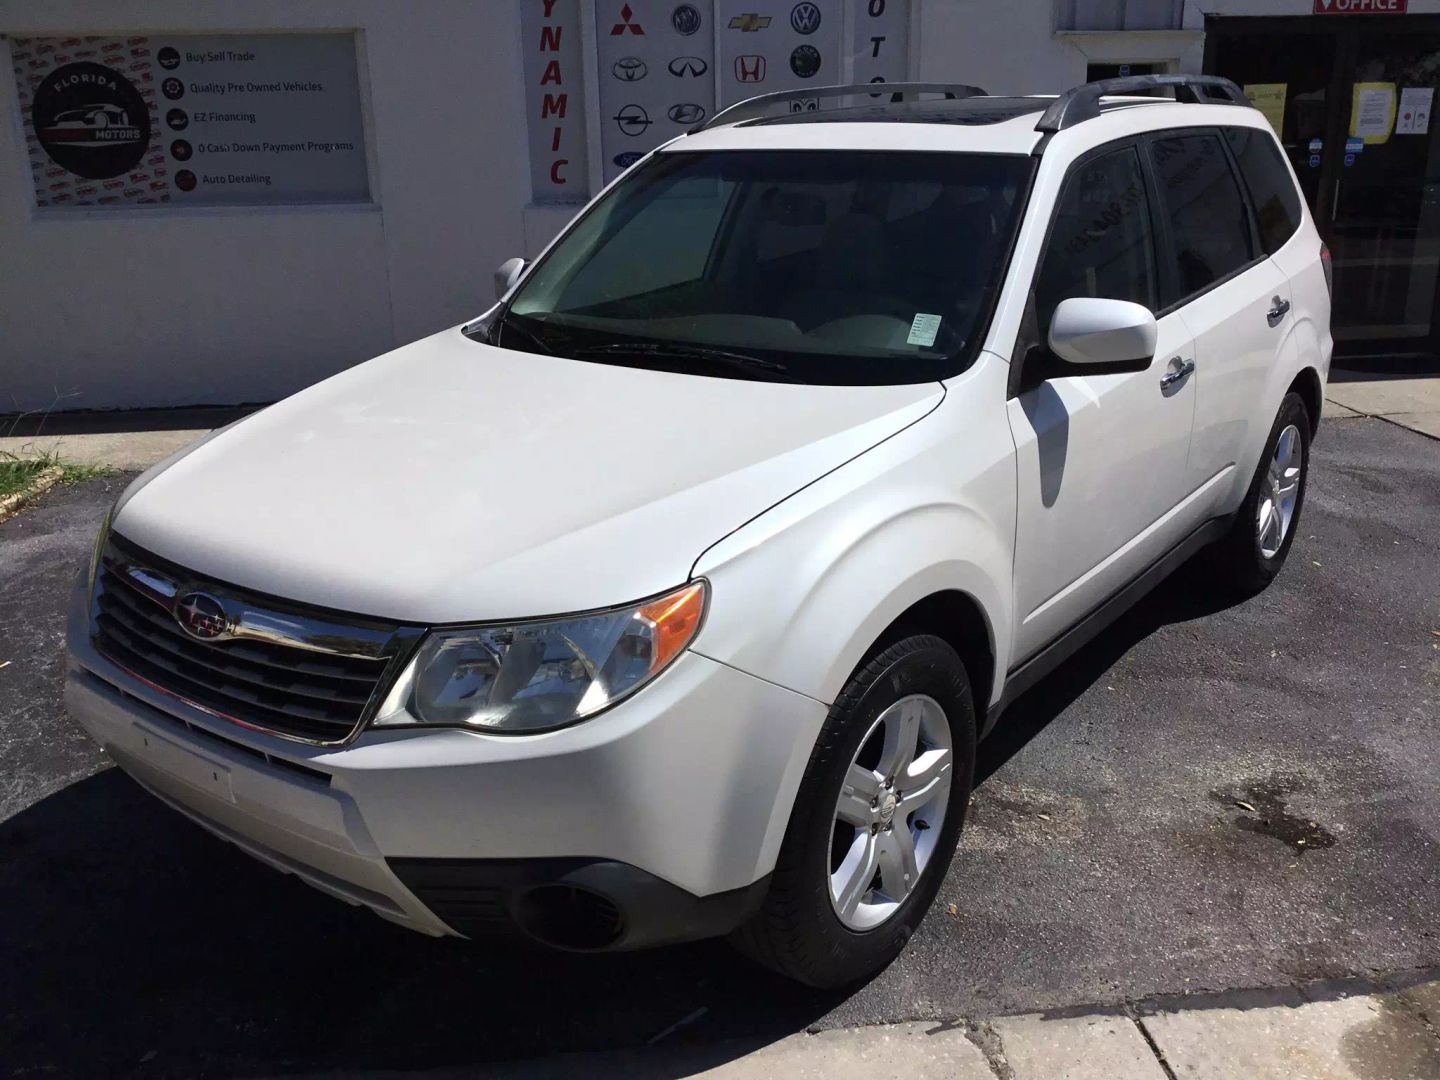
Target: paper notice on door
pixel 1413 117
pixel 1372 111
pixel 1269 98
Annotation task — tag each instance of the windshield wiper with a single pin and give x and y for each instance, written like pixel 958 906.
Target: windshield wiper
pixel 508 323
pixel 720 358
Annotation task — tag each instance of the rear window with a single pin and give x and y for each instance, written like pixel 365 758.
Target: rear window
pixel 1277 203
pixel 1200 200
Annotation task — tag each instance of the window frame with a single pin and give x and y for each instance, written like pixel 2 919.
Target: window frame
pixel 1170 263
pixel 1245 183
pixel 1031 361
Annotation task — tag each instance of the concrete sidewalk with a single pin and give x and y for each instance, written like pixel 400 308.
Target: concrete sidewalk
pixel 1412 402
pixel 1339 1031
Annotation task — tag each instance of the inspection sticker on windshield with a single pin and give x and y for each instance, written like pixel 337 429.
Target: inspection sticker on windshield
pixel 923 329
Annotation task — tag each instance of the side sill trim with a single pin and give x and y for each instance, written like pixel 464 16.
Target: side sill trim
pixel 1022 678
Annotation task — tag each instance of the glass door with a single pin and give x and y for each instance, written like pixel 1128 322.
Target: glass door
pixel 1352 98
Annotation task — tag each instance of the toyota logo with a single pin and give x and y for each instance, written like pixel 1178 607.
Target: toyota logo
pixel 629 69
pixel 202 616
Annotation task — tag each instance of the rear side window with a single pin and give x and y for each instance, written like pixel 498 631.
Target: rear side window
pixel 1277 203
pixel 1101 242
pixel 1200 201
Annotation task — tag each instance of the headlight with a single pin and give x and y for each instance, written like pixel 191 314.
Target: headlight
pixel 536 676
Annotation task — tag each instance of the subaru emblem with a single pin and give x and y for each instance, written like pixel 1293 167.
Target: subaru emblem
pixel 202 616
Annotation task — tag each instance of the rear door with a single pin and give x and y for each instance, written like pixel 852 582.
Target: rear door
pixel 1216 275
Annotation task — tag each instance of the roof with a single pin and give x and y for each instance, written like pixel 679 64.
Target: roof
pixel 998 125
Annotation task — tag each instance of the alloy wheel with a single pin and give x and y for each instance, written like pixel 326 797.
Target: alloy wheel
pixel 890 812
pixel 1276 508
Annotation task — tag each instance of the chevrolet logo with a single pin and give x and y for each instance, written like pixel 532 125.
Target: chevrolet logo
pixel 749 23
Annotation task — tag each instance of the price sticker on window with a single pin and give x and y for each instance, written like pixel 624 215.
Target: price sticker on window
pixel 923 329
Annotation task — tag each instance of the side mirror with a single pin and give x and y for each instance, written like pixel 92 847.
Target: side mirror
pixel 1114 334
pixel 506 277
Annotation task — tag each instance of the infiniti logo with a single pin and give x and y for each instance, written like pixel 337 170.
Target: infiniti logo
pixel 201 616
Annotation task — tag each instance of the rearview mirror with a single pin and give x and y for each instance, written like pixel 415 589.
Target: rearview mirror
pixel 506 277
pixel 1115 334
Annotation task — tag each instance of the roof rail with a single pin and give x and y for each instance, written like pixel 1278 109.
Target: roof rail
pixel 1083 102
pixel 754 107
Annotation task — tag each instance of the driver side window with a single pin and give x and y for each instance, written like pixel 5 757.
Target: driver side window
pixel 1101 243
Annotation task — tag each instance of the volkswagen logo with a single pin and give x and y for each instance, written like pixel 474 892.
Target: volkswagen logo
pixel 805 18
pixel 692 66
pixel 686 112
pixel 629 69
pixel 632 120
pixel 202 616
pixel 686 19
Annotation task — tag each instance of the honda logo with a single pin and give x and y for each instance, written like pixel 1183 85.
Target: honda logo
pixel 750 68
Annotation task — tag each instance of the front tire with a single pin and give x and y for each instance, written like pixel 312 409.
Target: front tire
pixel 1253 552
pixel 876 819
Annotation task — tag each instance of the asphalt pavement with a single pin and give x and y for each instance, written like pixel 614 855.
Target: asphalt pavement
pixel 1211 796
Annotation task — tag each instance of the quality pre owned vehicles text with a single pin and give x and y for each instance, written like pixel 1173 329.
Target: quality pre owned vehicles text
pixel 670 597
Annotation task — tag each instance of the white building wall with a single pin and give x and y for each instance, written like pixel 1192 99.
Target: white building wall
pixel 124 308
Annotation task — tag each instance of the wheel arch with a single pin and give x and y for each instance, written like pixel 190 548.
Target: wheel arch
pixel 1307 385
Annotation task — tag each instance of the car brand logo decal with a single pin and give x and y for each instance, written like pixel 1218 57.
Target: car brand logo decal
pixel 91 120
pixel 628 158
pixel 687 112
pixel 202 616
pixel 685 19
pixel 805 18
pixel 749 22
pixel 692 66
pixel 627 23
pixel 629 69
pixel 750 68
pixel 632 120
pixel 805 61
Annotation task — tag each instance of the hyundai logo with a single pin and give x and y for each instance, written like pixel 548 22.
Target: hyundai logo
pixel 687 112
pixel 202 616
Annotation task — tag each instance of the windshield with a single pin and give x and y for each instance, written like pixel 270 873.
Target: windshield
pixel 811 266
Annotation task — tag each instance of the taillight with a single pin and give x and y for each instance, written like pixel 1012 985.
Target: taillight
pixel 1329 269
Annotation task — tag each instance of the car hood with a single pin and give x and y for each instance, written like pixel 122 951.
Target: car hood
pixel 450 481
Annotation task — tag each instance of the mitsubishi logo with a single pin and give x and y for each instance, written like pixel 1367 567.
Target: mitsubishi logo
pixel 202 616
pixel 625 24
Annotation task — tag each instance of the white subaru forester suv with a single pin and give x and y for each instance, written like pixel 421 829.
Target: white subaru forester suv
pixel 670 597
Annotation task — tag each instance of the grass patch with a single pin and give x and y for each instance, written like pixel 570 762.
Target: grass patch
pixel 18 473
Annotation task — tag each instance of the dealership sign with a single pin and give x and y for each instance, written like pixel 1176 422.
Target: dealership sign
pixel 1360 7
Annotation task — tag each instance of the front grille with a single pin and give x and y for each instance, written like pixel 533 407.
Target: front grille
pixel 280 667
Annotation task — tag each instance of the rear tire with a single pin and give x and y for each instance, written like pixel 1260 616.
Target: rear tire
pixel 827 921
pixel 1252 553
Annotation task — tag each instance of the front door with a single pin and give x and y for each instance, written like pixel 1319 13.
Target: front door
pixel 1100 459
pixel 1353 96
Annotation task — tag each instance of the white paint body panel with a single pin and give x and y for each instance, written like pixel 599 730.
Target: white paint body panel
pixel 452 482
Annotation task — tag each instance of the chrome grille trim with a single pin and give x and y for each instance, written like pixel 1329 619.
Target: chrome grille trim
pixel 295 672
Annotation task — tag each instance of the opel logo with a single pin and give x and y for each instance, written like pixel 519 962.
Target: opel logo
pixel 202 616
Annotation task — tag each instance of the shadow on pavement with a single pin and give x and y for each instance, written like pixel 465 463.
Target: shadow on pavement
pixel 135 941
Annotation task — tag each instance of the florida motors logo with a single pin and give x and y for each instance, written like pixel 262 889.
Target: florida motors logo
pixel 202 616
pixel 91 120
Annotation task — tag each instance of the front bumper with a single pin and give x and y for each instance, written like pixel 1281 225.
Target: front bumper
pixel 669 807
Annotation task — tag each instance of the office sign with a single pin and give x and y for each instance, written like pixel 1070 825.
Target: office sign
pixel 183 119
pixel 1360 7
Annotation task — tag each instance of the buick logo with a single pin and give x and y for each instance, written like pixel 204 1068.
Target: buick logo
pixel 629 69
pixel 685 19
pixel 686 112
pixel 692 66
pixel 202 616
pixel 805 18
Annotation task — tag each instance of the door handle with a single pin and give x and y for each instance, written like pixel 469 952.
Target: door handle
pixel 1277 311
pixel 1178 370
